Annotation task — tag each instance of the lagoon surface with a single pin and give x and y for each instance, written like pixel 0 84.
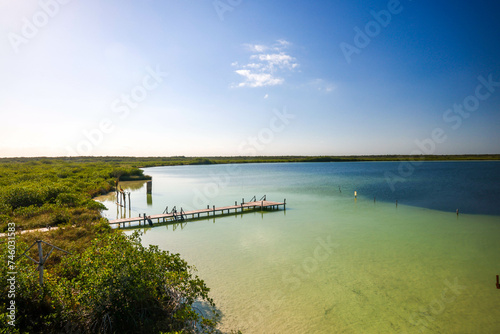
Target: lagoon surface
pixel 333 263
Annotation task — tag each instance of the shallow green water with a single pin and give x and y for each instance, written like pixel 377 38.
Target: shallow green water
pixel 330 263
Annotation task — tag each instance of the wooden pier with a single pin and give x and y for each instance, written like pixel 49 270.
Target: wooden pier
pixel 176 216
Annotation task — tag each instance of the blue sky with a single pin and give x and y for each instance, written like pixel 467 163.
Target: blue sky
pixel 239 77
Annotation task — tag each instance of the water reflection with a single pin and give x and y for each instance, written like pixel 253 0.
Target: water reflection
pixel 123 201
pixel 132 185
pixel 173 226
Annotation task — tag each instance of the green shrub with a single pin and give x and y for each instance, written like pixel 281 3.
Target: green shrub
pixel 27 211
pixel 52 191
pixel 23 196
pixel 94 205
pixel 5 209
pixel 125 287
pixel 34 310
pixel 201 161
pixel 102 227
pixel 88 216
pixel 116 286
pixel 61 217
pixel 68 199
pixel 4 220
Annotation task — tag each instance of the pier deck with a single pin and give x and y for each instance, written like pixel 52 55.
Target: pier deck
pixel 195 214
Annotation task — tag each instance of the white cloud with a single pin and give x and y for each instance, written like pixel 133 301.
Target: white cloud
pixel 266 96
pixel 253 65
pixel 265 67
pixel 256 47
pixel 283 43
pixel 279 60
pixel 258 79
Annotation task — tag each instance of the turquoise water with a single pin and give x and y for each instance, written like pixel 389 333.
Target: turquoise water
pixel 332 263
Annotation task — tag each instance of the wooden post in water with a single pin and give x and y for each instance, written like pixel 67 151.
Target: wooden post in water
pixel 149 186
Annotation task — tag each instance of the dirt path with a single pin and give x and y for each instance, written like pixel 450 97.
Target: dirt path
pixel 42 229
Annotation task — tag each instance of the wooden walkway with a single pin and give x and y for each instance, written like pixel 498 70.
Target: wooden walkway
pixel 177 216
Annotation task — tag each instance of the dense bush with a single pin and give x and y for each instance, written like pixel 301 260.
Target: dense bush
pixel 122 286
pixel 116 286
pixel 68 199
pixel 27 211
pixel 40 192
pixel 34 312
pixel 18 196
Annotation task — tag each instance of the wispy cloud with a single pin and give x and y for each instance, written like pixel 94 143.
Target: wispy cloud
pixel 258 79
pixel 256 47
pixel 266 64
pixel 322 85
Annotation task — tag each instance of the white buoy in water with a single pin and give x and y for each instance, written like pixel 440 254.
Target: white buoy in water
pixel 355 194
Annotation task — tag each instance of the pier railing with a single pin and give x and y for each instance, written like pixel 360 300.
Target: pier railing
pixel 175 215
